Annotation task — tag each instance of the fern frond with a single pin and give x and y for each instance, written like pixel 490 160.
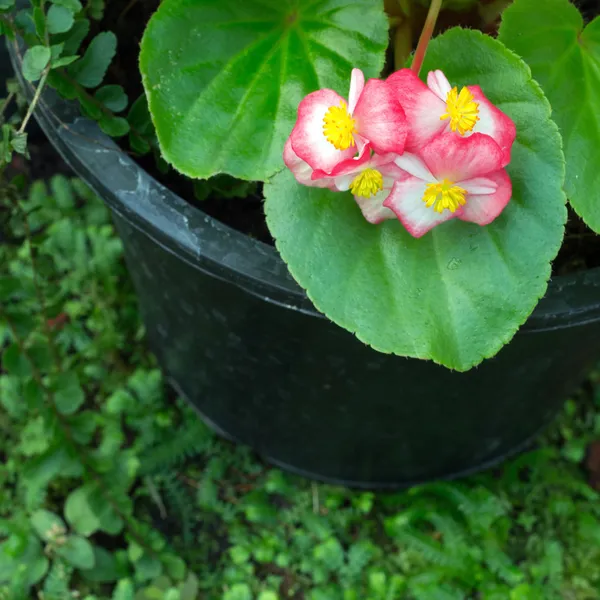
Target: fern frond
pixel 183 445
pixel 179 503
pixel 432 551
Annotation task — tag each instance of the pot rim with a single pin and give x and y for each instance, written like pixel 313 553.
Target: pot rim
pixel 217 249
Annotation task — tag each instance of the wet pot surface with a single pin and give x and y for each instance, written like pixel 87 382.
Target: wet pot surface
pixel 244 345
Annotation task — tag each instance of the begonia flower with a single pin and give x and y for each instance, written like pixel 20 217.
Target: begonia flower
pixel 452 177
pixel 329 129
pixel 438 107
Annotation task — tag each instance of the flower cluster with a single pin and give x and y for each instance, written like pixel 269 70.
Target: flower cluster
pixel 421 153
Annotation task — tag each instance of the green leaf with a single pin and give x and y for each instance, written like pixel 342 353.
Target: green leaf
pixel 105 567
pixel 114 126
pixel 72 5
pixel 89 71
pixel 19 143
pixel 14 361
pixel 68 393
pixel 113 97
pixel 87 511
pixel 62 192
pixel 565 59
pixel 47 524
pixel 31 560
pixel 35 61
pixel 459 293
pixel 39 20
pixel 78 552
pixel 59 19
pixel 238 591
pixel 147 568
pixel 124 590
pixel 63 61
pixel 224 79
pixel 72 41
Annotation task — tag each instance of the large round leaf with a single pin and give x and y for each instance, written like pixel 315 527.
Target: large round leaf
pixel 565 59
pixel 224 77
pixel 460 292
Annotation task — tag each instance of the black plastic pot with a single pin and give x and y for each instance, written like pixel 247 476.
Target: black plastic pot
pixel 241 341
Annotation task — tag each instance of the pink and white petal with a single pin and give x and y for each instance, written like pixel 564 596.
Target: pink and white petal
pixel 484 208
pixel 495 123
pixel 348 165
pixel 302 170
pixel 373 209
pixel 478 185
pixel 422 107
pixel 308 140
pixel 380 119
pixel 413 165
pixel 439 84
pixel 457 158
pixel 357 84
pixel 360 142
pixel 391 172
pixel 406 200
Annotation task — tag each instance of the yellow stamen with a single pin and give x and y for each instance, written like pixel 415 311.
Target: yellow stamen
pixel 367 184
pixel 338 126
pixel 444 195
pixel 462 110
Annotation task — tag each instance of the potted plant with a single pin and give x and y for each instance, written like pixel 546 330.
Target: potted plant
pixel 442 256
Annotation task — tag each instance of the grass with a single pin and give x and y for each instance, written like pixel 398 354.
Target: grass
pixel 110 488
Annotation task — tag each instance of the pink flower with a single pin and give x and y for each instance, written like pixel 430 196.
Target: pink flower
pixel 329 130
pixel 452 177
pixel 438 107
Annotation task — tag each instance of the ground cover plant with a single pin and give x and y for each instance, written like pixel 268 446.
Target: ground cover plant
pixel 112 489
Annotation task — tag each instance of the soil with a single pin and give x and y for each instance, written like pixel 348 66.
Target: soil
pixel 581 246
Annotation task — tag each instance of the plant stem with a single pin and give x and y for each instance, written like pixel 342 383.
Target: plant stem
pixel 36 97
pixel 432 15
pixel 6 103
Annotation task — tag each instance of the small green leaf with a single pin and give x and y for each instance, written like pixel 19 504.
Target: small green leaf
pixel 147 568
pixel 62 192
pixel 73 5
pixel 36 59
pixel 47 524
pixel 31 560
pixel 63 61
pixel 89 71
pixel 39 19
pixel 78 552
pixel 565 57
pixel 59 19
pixel 68 393
pixel 113 97
pixel 14 362
pixel 114 126
pixel 19 143
pixel 105 569
pixel 6 4
pixel 73 39
pixel 458 294
pixel 238 591
pixel 124 590
pixel 87 511
pixel 190 588
pixel 263 58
